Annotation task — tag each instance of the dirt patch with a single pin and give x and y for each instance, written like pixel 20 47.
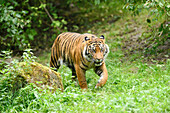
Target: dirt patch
pixel 146 40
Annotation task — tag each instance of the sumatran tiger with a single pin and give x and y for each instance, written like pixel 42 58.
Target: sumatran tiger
pixel 81 52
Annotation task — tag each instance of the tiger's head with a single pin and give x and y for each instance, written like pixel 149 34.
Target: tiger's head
pixel 95 49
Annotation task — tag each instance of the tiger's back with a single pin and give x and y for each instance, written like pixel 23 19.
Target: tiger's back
pixel 64 49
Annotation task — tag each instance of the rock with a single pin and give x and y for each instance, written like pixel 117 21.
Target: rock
pixel 40 75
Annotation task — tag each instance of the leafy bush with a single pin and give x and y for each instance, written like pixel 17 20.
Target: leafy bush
pixel 22 21
pixel 158 7
pixel 36 24
pixel 158 12
pixel 11 30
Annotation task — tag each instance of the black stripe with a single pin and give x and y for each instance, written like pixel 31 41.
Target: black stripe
pixel 73 41
pixel 98 71
pixel 63 44
pixel 63 35
pixel 66 33
pixel 82 60
pixel 56 55
pixel 65 47
pixel 70 65
pixel 52 62
pixel 84 65
pixel 58 38
pixel 82 56
pixel 75 54
pixel 55 62
pixel 64 59
pixel 86 52
pixel 83 68
pixel 73 35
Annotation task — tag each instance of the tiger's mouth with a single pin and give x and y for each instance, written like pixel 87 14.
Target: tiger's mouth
pixel 98 63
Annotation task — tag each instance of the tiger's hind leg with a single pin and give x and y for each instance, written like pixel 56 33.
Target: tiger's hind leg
pixel 55 68
pixel 74 76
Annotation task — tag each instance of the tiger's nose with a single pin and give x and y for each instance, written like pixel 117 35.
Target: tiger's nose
pixel 99 60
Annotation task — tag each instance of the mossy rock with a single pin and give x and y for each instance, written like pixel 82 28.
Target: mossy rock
pixel 40 75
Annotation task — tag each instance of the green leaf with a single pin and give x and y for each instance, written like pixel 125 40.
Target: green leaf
pixel 10 7
pixel 63 21
pixel 25 12
pixel 42 6
pixel 36 94
pixel 30 36
pixel 56 23
pixel 160 4
pixel 18 15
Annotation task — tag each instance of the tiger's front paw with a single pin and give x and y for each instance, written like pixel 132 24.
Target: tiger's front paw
pixel 98 85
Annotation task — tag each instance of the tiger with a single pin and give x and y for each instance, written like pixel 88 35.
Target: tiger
pixel 81 52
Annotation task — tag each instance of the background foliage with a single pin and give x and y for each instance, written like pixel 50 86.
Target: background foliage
pixel 158 12
pixel 37 23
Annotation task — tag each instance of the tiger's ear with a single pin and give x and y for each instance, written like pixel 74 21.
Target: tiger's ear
pixel 101 37
pixel 86 38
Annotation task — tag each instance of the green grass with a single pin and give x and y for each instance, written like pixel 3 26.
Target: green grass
pixel 133 86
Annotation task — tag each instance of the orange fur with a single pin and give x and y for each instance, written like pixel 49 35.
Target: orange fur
pixel 80 52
